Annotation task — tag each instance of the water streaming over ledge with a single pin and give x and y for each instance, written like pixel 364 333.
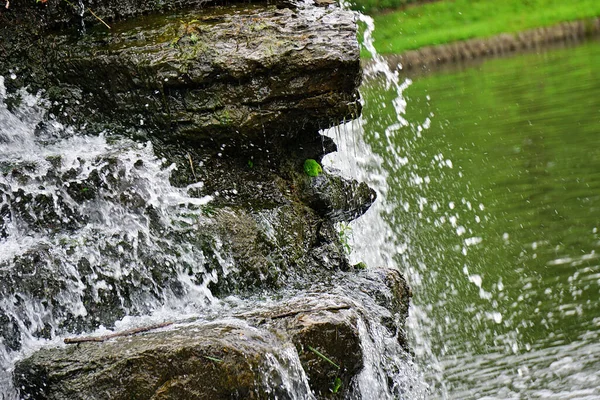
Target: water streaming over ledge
pixel 87 221
pixel 489 211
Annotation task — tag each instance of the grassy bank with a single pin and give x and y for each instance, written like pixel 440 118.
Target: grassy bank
pixel 448 21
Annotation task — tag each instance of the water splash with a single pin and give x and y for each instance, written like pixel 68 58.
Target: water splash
pixel 376 239
pixel 82 225
pixel 93 220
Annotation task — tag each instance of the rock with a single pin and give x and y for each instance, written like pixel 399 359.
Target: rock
pixel 256 235
pixel 307 344
pixel 323 337
pixel 234 96
pixel 267 353
pixel 234 76
pixel 201 361
pixel 337 198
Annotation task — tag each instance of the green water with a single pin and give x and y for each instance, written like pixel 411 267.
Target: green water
pixel 493 198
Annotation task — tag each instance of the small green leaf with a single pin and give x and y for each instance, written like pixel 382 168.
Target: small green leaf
pixel 312 167
pixel 337 384
pixel 213 359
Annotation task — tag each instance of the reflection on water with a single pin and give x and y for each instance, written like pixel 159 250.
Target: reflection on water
pixel 493 198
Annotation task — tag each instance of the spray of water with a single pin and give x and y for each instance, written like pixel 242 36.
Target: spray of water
pixel 376 237
pixel 95 238
pixel 83 224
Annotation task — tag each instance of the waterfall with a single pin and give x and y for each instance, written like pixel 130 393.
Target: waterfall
pixel 95 239
pixel 83 224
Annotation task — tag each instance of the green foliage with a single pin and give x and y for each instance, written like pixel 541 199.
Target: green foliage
pixel 345 233
pixel 337 384
pixel 442 22
pixel 361 265
pixel 323 357
pixel 312 167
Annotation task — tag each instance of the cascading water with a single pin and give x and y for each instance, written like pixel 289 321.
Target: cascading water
pixel 84 224
pixel 489 318
pixel 375 238
pixel 94 237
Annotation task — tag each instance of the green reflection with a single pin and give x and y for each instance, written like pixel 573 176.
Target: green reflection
pixel 499 203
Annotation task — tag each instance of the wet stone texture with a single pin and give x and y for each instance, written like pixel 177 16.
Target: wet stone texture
pixel 316 338
pixel 236 75
pixel 212 361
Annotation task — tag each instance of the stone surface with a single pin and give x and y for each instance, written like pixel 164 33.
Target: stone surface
pixel 210 361
pixel 261 231
pixel 267 352
pixel 336 198
pixel 236 76
pixel 331 332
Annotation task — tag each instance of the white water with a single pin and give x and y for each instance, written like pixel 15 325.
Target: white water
pixel 82 253
pixel 102 245
pixel 373 240
pixel 480 346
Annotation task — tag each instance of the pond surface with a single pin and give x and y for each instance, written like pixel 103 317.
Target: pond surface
pixel 490 204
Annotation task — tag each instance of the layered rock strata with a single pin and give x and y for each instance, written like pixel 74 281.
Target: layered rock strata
pixel 233 98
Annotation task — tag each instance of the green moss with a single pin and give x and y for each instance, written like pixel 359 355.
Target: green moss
pixel 312 167
pixel 361 266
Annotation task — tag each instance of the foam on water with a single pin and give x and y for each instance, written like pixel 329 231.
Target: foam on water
pixel 81 250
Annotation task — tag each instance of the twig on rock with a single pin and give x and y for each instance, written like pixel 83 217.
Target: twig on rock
pixel 98 18
pixel 296 312
pixel 104 338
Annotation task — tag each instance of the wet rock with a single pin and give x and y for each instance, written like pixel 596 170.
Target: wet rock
pixel 337 198
pixel 231 76
pixel 234 96
pixel 311 343
pixel 302 345
pixel 204 361
pixel 9 332
pixel 325 332
pixel 389 290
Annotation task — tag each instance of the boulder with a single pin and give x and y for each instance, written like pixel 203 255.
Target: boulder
pixel 230 76
pixel 338 199
pixel 308 344
pixel 201 361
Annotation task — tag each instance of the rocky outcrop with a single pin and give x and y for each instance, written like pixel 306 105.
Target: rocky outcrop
pixel 232 99
pixel 308 345
pixel 225 78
